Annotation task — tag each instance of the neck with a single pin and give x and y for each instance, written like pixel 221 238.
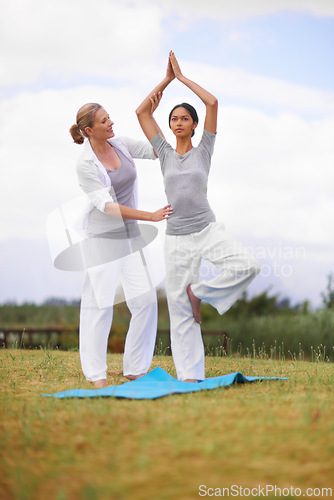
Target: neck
pixel 183 145
pixel 99 146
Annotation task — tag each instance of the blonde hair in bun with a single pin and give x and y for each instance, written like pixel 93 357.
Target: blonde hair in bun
pixel 85 118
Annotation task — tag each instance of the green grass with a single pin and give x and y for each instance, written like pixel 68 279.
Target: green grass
pixel 268 433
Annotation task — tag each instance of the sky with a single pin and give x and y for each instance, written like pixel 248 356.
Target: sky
pixel 270 63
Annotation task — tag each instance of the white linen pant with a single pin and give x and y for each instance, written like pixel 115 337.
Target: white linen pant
pixel 96 314
pixel 183 255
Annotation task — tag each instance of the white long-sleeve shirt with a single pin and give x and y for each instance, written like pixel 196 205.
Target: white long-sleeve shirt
pixel 95 181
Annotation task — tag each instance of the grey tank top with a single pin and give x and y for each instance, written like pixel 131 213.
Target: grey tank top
pixel 122 190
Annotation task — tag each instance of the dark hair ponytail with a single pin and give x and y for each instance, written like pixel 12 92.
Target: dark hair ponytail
pixel 191 110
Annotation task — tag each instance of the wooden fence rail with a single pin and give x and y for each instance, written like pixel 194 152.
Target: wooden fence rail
pixel 65 338
pixel 25 337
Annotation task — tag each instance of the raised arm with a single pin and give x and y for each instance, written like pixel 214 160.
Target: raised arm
pixel 150 103
pixel 210 101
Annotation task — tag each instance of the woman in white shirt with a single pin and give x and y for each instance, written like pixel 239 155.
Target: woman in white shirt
pixel 107 174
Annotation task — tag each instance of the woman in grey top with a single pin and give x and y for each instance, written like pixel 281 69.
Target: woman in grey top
pixel 192 231
pixel 107 174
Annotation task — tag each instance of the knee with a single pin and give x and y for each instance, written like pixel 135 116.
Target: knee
pixel 146 301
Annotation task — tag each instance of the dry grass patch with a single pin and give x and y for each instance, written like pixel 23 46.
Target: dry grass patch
pixel 278 432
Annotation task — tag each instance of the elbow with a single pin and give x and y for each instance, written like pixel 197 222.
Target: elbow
pixel 143 111
pixel 112 208
pixel 213 103
pixel 139 112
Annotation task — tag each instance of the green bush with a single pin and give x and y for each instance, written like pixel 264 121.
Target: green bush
pixel 284 336
pixel 262 326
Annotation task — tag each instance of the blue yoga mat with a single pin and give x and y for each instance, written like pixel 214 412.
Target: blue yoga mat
pixel 157 384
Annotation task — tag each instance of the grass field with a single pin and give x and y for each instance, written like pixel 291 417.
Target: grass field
pixel 278 433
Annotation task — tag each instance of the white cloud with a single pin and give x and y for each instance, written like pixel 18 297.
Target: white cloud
pixel 225 9
pixel 261 91
pixel 277 173
pixel 272 170
pixel 270 182
pixel 280 166
pixel 65 40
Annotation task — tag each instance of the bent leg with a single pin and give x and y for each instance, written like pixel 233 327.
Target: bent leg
pixel 236 268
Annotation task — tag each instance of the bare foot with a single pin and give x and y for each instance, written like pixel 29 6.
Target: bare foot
pixel 99 384
pixel 195 304
pixel 190 380
pixel 134 377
